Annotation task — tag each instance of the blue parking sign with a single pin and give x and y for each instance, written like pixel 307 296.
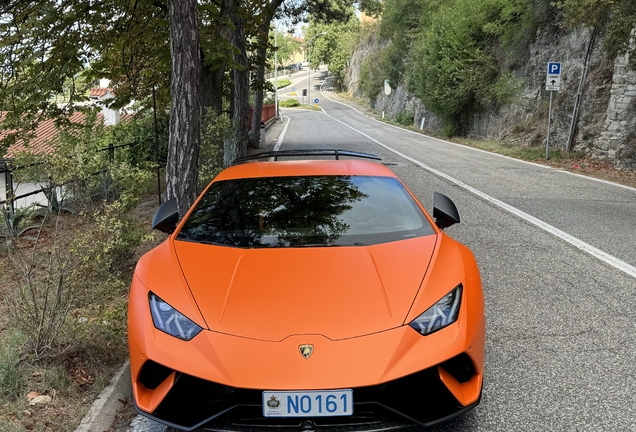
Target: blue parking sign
pixel 554 68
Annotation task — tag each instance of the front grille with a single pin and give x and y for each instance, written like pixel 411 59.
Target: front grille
pixel 417 398
pixel 366 417
pixel 152 374
pixel 460 367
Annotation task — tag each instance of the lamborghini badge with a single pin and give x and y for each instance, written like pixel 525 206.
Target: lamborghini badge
pixel 306 350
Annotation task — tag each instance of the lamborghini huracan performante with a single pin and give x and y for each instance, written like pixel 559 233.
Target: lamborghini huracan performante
pixel 306 294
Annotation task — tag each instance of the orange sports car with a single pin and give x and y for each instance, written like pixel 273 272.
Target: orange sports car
pixel 306 294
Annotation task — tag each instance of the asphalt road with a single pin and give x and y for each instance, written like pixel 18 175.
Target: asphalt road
pixel 557 254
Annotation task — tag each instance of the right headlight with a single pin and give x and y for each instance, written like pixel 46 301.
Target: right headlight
pixel 441 314
pixel 171 321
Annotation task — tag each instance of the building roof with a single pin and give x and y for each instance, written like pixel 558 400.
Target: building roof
pixel 99 91
pixel 41 142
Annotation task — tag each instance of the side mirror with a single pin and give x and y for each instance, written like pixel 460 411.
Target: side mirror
pixel 166 217
pixel 444 211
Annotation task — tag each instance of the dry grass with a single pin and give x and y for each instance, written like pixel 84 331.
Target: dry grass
pixel 74 379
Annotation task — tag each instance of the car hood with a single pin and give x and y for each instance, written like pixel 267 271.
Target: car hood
pixel 338 292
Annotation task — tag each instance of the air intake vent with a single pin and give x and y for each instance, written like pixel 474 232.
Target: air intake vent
pixel 460 367
pixel 153 374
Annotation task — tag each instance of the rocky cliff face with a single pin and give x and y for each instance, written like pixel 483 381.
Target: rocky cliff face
pixel 604 127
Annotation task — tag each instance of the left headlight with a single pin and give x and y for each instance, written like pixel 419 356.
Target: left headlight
pixel 171 321
pixel 441 314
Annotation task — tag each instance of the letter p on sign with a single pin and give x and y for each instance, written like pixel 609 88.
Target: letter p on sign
pixel 554 68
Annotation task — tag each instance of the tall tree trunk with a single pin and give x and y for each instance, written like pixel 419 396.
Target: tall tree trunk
pixel 236 146
pixel 185 102
pixel 255 131
pixel 261 59
pixel 212 88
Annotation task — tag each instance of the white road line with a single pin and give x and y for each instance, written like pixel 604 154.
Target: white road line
pixel 585 247
pixel 538 165
pixel 282 135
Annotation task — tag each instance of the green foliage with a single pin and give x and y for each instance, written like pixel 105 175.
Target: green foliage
pixel 81 163
pixel 371 77
pixel 449 129
pixel 288 103
pixel 334 48
pixel 214 131
pixel 284 82
pixel 11 378
pixel 285 47
pixel 60 281
pixel 618 16
pixel 456 62
pixel 404 117
pixel 589 12
pixel 139 132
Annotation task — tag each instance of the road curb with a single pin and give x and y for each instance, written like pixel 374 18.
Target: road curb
pixel 102 413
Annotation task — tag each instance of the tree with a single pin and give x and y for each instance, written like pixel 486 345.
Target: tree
pixel 334 48
pixel 51 49
pixel 286 47
pixel 185 113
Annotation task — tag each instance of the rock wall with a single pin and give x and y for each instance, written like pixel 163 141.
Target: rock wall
pixel 618 139
pixel 606 123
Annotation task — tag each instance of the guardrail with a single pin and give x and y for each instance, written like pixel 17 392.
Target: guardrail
pixel 268 112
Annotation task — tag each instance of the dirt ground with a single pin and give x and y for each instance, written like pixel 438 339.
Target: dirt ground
pixel 596 168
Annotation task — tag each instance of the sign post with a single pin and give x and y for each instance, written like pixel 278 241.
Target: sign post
pixel 552 84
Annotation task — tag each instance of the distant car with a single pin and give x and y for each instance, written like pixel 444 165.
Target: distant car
pixel 306 294
pixel 305 64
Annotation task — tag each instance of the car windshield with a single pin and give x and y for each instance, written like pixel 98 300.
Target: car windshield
pixel 308 211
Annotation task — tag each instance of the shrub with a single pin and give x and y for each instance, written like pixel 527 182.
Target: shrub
pixel 72 269
pixel 404 117
pixel 288 103
pixel 284 82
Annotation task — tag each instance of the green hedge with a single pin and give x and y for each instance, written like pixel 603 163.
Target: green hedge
pixel 288 103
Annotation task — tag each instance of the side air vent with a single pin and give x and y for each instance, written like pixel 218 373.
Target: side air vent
pixel 460 367
pixel 153 374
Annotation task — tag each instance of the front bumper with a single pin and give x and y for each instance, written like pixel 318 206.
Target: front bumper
pixel 421 398
pixel 397 375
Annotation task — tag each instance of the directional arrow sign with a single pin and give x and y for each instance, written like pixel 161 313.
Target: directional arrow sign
pixel 553 76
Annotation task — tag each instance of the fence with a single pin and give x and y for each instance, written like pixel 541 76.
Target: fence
pixel 38 193
pixel 268 112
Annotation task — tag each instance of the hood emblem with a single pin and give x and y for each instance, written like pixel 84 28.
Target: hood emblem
pixel 273 402
pixel 306 350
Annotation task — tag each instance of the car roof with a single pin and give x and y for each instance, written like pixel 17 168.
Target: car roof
pixel 305 168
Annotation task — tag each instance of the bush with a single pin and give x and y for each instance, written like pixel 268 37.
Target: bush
pixel 73 266
pixel 404 117
pixel 456 62
pixel 284 82
pixel 288 103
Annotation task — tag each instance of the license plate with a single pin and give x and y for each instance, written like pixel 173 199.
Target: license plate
pixel 316 403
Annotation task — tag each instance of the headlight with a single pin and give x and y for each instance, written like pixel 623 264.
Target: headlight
pixel 171 321
pixel 441 314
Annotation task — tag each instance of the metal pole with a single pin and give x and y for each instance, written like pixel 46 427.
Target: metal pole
pixel 154 109
pixel 547 141
pixel 9 192
pixel 276 70
pixel 309 76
